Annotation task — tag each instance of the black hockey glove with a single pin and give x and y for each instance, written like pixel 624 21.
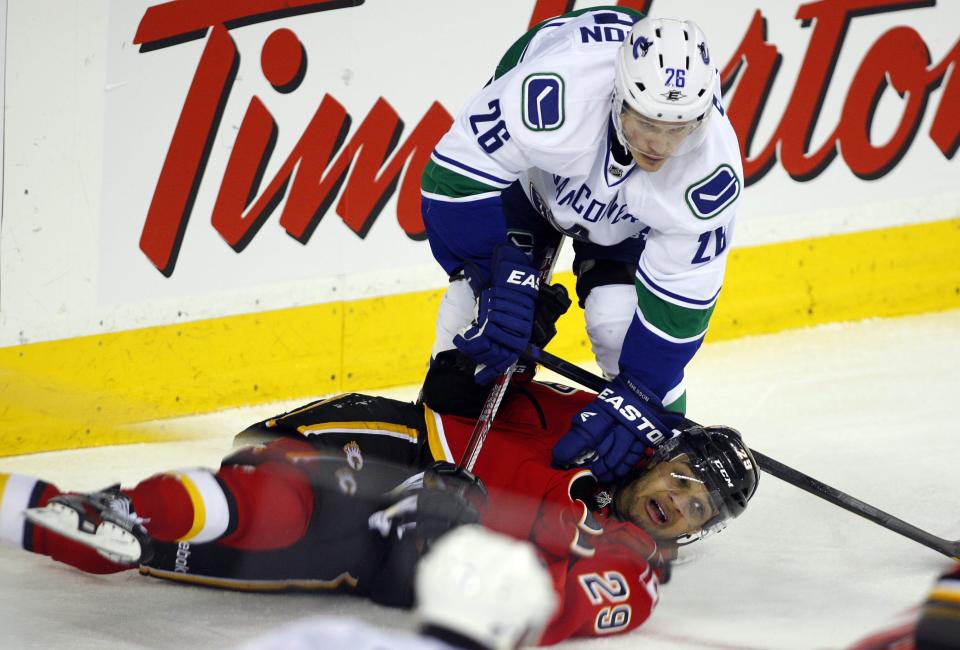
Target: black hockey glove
pixel 423 508
pixel 427 505
pixel 552 303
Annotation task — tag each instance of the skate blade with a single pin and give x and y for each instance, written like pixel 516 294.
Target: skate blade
pixel 108 539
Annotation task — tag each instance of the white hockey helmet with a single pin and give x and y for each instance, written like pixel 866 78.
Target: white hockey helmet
pixel 486 587
pixel 664 74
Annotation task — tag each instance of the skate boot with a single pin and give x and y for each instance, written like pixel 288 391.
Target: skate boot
pixel 104 521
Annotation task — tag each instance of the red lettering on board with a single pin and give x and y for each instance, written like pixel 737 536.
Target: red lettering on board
pixel 899 53
pixel 366 170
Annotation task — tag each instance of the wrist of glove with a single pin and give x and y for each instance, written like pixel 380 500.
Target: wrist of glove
pixel 429 504
pixel 615 432
pixel 505 314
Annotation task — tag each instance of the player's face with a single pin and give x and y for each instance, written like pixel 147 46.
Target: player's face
pixel 651 142
pixel 667 501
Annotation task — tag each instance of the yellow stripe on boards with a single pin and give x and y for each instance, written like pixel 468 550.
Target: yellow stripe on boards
pixel 3 485
pixel 94 390
pixel 199 509
pixel 876 273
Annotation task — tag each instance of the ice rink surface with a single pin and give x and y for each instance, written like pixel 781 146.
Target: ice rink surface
pixel 870 408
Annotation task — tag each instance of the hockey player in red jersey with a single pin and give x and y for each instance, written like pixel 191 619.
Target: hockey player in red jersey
pixel 320 509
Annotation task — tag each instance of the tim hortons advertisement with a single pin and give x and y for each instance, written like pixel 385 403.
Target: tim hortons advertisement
pixel 267 142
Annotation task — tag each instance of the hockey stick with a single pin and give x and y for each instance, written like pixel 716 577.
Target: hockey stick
pixel 950 548
pixel 499 388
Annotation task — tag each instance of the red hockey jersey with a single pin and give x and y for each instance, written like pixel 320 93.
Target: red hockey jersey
pixel 603 568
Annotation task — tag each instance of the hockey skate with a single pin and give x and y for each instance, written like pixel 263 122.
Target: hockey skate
pixel 104 521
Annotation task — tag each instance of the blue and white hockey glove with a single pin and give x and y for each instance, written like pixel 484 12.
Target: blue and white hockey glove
pixel 613 433
pixel 505 312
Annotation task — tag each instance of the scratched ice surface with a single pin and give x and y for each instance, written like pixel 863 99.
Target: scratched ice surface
pixel 870 408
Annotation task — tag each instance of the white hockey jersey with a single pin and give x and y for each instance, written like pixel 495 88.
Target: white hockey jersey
pixel 544 121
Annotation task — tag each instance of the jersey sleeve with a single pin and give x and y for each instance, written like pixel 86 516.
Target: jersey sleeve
pixel 680 273
pixel 612 592
pixel 530 115
pixel 471 165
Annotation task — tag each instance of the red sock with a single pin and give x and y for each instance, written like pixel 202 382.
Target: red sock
pixel 165 506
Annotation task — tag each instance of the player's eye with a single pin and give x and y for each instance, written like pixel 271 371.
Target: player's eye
pixel 699 510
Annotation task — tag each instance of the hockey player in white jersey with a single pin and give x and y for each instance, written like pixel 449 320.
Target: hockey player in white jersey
pixel 608 127
pixel 476 590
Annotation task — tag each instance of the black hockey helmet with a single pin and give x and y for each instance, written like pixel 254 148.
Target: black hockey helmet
pixel 719 458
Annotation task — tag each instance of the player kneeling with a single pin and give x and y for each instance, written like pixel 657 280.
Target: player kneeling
pixel 355 488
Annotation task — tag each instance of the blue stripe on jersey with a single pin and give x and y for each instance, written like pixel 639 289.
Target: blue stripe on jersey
pixel 676 296
pixel 469 169
pixel 653 361
pixel 612 18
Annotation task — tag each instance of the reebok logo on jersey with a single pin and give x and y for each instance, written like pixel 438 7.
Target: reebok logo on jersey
pixel 542 104
pixel 180 562
pixel 709 197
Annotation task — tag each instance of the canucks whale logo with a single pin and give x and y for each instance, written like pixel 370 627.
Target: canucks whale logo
pixel 709 197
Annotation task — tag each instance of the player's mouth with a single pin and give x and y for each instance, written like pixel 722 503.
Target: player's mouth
pixel 656 512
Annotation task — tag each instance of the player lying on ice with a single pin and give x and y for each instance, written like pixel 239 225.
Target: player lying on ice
pixel 476 590
pixel 349 496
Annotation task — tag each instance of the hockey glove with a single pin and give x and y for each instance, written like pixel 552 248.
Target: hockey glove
pixel 505 313
pixel 552 303
pixel 421 510
pixel 615 431
pixel 430 503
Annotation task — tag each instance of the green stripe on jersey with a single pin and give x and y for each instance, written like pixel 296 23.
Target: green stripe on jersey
pixel 440 180
pixel 515 51
pixel 678 405
pixel 674 320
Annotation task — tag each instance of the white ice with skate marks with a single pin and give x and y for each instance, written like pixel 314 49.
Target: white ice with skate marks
pixel 869 408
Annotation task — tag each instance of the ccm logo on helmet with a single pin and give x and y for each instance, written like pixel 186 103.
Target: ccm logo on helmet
pixel 632 414
pixel 723 472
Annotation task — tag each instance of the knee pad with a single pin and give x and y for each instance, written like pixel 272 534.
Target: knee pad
pixel 458 308
pixel 609 310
